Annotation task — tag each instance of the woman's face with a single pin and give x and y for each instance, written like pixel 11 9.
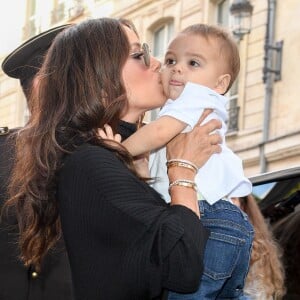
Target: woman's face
pixel 143 84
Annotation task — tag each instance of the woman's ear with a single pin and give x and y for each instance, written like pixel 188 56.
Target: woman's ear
pixel 222 84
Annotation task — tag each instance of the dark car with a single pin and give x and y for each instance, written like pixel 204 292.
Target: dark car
pixel 278 196
pixel 278 193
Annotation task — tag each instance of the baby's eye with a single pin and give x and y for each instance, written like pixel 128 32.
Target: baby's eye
pixel 194 63
pixel 170 61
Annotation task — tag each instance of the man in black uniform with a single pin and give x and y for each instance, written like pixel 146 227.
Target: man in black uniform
pixel 16 281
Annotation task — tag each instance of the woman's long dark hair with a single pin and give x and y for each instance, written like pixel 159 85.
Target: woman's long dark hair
pixel 79 88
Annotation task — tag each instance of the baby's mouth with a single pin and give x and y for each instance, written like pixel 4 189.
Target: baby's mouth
pixel 174 82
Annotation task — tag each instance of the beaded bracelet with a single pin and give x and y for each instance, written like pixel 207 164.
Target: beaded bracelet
pixel 182 163
pixel 183 182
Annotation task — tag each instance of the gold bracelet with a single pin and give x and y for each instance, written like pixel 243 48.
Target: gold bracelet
pixel 182 163
pixel 183 182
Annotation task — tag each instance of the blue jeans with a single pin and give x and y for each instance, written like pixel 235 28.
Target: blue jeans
pixel 227 253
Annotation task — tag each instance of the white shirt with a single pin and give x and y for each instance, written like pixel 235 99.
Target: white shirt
pixel 222 176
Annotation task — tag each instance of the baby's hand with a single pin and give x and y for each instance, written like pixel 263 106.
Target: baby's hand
pixel 107 133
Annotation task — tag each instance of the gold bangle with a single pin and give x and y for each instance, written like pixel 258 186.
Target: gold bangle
pixel 182 163
pixel 184 183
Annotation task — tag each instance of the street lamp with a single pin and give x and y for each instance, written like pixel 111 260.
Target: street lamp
pixel 241 11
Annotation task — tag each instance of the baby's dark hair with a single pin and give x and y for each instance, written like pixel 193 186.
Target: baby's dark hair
pixel 228 47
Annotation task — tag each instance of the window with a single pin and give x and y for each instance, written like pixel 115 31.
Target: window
pixel 223 12
pixel 161 37
pixel 233 108
pixel 277 192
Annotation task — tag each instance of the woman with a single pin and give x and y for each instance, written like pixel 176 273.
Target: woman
pixel 123 240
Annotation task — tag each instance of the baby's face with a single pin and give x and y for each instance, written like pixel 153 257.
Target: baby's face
pixel 191 57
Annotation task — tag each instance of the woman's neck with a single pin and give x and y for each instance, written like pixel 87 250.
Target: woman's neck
pixel 133 115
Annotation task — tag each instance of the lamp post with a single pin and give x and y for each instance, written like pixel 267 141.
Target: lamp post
pixel 241 11
pixel 271 73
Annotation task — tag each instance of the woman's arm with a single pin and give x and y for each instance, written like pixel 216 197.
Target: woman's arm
pixel 195 146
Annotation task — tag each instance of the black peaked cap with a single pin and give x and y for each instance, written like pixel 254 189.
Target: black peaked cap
pixel 24 62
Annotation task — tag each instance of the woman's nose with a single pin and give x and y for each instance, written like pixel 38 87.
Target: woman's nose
pixel 155 64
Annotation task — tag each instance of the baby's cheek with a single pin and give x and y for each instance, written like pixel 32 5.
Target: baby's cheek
pixel 164 76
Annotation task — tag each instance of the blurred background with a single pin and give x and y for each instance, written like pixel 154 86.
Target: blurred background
pixel 264 110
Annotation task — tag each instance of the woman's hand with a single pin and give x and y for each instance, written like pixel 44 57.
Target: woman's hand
pixel 197 145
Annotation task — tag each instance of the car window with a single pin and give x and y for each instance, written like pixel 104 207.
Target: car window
pixel 277 193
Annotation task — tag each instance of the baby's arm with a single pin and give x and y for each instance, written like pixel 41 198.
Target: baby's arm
pixel 154 135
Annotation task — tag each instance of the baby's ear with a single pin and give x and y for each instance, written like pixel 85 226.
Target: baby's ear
pixel 222 84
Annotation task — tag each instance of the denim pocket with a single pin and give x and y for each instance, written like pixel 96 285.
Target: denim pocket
pixel 221 255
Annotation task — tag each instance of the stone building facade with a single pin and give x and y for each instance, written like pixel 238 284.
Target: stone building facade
pixel 264 126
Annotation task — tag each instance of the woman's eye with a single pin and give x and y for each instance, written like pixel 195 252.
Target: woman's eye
pixel 137 55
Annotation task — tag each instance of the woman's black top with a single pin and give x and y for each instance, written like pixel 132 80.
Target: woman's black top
pixel 124 242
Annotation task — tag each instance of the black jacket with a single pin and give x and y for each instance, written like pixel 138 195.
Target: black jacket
pixel 16 281
pixel 124 241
